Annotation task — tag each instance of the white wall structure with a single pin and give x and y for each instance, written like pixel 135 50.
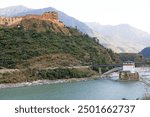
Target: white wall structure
pixel 129 66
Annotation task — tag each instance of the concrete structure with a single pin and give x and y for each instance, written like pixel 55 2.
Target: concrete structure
pixel 129 66
pixel 127 75
pixel 47 16
pixel 128 71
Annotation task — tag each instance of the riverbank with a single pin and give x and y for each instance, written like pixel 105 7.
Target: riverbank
pixel 144 72
pixel 42 82
pixel 83 90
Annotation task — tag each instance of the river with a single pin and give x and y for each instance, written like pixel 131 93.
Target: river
pixel 102 89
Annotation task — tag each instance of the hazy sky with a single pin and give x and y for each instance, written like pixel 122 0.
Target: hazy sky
pixel 113 12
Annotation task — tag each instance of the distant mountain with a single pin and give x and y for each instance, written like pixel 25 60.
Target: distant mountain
pixel 121 38
pixel 68 20
pixel 146 52
pixel 13 10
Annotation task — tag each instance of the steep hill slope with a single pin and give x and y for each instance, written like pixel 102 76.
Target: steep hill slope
pixel 43 26
pixel 48 53
pixel 18 45
pixel 121 38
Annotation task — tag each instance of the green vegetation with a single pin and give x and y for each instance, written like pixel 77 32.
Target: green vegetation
pixel 33 74
pixel 17 46
pixel 131 57
pixel 147 61
pixel 13 77
pixel 37 45
pixel 61 73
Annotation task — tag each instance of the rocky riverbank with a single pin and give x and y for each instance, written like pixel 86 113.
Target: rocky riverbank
pixel 42 82
pixel 144 72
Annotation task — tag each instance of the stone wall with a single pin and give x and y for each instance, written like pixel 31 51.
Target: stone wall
pixel 9 20
pixel 127 75
pixel 48 16
pixel 53 17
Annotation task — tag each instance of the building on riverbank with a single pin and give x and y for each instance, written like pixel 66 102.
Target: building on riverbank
pixel 129 66
pixel 128 71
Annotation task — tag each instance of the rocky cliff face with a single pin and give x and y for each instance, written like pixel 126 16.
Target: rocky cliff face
pixel 42 26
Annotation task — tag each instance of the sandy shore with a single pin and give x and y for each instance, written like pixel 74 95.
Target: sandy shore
pixel 41 82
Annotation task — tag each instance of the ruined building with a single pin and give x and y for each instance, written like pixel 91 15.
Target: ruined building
pixel 47 16
pixel 8 21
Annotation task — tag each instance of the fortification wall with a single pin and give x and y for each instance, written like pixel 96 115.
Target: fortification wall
pixel 48 16
pixel 9 20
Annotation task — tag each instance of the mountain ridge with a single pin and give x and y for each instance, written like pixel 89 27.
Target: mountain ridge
pixel 122 37
pixel 146 52
pixel 13 10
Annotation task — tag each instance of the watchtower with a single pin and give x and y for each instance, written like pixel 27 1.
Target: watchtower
pixel 53 16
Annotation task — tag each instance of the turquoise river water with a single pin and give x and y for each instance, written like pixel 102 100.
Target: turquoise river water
pixel 92 90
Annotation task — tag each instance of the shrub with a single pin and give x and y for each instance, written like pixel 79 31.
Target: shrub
pixel 61 73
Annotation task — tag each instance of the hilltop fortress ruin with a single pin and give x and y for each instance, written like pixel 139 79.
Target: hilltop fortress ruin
pixel 47 16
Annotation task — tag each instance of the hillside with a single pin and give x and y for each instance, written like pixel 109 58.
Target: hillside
pixel 121 38
pixel 35 51
pixel 146 52
pixel 68 20
pixel 131 57
pixel 43 26
pixel 18 45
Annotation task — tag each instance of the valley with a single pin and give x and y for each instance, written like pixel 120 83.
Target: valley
pixel 48 51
